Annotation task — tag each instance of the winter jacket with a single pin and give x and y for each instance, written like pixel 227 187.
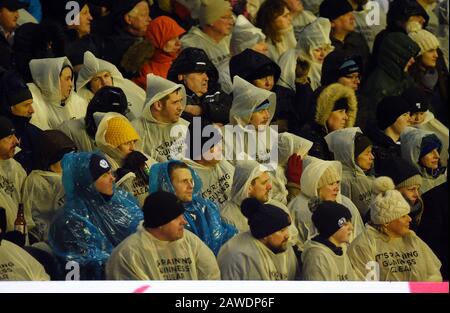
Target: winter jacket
pixel 317 130
pixel 355 184
pixel 89 226
pixel 411 139
pixel 407 258
pixel 49 111
pixel 299 209
pixel 6 53
pixel 76 47
pixel 389 77
pixel 202 215
pixel 144 257
pixel 355 44
pixel 92 66
pixel 157 140
pixel 246 258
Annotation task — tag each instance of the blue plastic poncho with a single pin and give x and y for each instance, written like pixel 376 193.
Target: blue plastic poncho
pixel 90 225
pixel 202 215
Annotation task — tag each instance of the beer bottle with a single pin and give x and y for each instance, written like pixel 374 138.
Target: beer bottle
pixel 20 223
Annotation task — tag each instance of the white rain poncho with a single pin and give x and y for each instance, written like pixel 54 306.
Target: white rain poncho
pixel 313 36
pixel 321 263
pixel 288 65
pixel 16 264
pixel 407 258
pixel 43 196
pixel 246 258
pixel 45 89
pixel 245 172
pixel 218 52
pixel 144 257
pixel 216 181
pixel 156 137
pixel 299 209
pixel 287 42
pixel 355 184
pixel 411 139
pixel 370 21
pixel 303 19
pixel 12 177
pixel 432 124
pixel 92 66
pixel 76 130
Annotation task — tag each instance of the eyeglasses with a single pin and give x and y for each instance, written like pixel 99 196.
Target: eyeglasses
pixel 353 77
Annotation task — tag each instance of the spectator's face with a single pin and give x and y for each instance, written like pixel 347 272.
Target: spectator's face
pixel 173 46
pixel 365 159
pixel 418 19
pixel 260 188
pixel 410 193
pixel 319 54
pixel 224 25
pixel 138 18
pixel 261 47
pixel 100 80
pixel 344 23
pixel 174 230
pixel 401 123
pixel 183 184
pixel 65 83
pixel 171 109
pixel 84 28
pixel 104 184
pixel 295 6
pixel 283 21
pixel 417 118
pixel 8 19
pixel 197 82
pixel 265 82
pixel 344 233
pixel 429 58
pixel 351 80
pixel 277 242
pixel 8 146
pixel 23 109
pixel 431 160
pixel 337 120
pixel 128 147
pixel 329 192
pixel 260 118
pixel 399 227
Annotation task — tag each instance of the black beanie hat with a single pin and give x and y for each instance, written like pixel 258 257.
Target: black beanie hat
pixel 361 143
pixel 329 217
pixel 98 166
pixel 6 127
pixel 429 143
pixel 13 89
pixel 160 208
pixel 417 100
pixel 332 9
pixel 264 219
pixel 389 109
pixel 403 174
pixel 341 104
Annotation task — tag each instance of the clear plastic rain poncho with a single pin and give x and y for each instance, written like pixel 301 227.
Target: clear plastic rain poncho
pixel 90 225
pixel 207 224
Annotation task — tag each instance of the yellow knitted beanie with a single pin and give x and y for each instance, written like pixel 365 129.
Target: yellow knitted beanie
pixel 120 131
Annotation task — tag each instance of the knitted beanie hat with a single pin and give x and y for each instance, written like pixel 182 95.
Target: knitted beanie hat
pixel 329 176
pixel 160 208
pixel 332 9
pixel 120 131
pixel 403 174
pixel 426 40
pixel 329 216
pixel 212 10
pixel 389 110
pixel 389 204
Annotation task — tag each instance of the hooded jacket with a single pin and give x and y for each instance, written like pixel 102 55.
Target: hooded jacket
pixel 389 77
pixel 355 184
pixel 92 66
pixel 217 52
pixel 299 208
pixel 144 257
pixel 155 135
pixel 246 258
pixel 49 111
pixel 317 130
pixel 89 225
pixel 321 263
pixel 202 215
pixel 411 139
pixel 407 258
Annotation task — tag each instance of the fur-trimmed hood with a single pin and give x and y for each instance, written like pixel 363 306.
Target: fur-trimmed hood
pixel 327 99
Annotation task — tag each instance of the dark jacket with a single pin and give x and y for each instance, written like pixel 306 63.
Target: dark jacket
pixel 76 47
pixel 389 77
pixel 433 228
pixel 316 133
pixel 354 44
pixel 6 53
